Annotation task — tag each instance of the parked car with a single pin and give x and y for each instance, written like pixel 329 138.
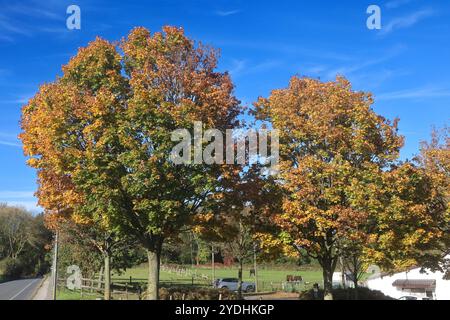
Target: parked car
pixel 408 298
pixel 232 284
pixel 415 298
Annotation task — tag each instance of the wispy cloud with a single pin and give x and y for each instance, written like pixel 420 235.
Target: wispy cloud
pixel 10 144
pixel 417 93
pixel 36 10
pixel 242 67
pixel 6 38
pixel 12 22
pixel 21 99
pixel 24 199
pixel 356 66
pixel 283 48
pixel 237 67
pixel 31 206
pixel 10 140
pixel 10 27
pixel 406 21
pixel 226 13
pixel 396 3
pixel 7 194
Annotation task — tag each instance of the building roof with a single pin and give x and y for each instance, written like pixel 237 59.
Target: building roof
pixel 415 283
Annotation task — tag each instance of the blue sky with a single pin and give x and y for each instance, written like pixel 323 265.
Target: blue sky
pixel 263 43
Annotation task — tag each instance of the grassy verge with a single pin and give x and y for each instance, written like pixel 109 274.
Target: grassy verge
pixel 66 294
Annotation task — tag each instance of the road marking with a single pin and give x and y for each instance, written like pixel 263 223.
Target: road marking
pixel 12 298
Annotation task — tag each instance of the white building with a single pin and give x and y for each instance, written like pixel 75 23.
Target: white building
pixel 337 280
pixel 429 285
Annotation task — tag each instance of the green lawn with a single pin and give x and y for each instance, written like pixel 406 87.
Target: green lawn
pixel 269 278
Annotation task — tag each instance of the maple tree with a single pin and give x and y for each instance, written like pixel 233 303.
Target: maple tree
pixel 408 230
pixel 68 126
pixel 333 148
pixel 100 136
pixel 413 228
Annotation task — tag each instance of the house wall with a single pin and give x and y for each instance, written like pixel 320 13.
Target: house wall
pixel 384 284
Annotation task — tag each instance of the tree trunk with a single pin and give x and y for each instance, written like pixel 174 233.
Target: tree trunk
pixel 342 272
pixel 107 267
pixel 239 288
pixel 356 289
pixel 327 269
pixel 255 268
pixel 213 267
pixel 153 274
pixel 100 277
pixel 355 278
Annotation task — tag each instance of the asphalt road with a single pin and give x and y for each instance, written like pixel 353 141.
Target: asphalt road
pixel 19 289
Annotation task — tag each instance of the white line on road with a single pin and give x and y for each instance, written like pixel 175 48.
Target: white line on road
pixel 12 298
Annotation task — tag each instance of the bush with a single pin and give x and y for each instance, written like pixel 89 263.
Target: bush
pixel 347 294
pixel 11 268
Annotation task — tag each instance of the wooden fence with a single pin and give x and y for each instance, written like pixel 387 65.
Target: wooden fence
pixel 119 287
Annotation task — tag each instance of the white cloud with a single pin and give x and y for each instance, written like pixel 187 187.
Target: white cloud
pixel 406 21
pixel 356 66
pixel 28 205
pixel 417 93
pixel 13 19
pixel 9 139
pixel 396 3
pixel 24 199
pixel 21 99
pixel 16 194
pixel 226 13
pixel 241 67
pixel 238 66
pixel 10 144
pixel 8 26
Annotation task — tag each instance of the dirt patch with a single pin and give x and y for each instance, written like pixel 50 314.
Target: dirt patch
pixel 280 295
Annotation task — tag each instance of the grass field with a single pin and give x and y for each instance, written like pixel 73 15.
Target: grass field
pixel 269 278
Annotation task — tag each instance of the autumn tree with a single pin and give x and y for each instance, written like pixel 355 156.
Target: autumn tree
pixel 102 134
pixel 414 228
pixel 434 158
pixel 332 146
